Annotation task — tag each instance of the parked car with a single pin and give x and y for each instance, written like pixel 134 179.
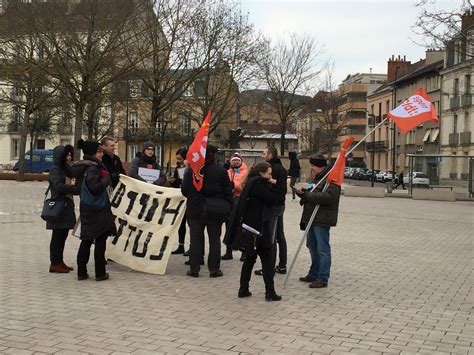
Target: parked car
pixel 368 174
pixel 419 179
pixel 358 173
pixel 42 161
pixel 379 177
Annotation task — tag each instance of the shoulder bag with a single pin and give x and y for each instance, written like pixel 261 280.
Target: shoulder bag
pixel 53 209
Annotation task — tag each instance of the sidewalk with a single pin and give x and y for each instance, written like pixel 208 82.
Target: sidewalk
pixel 401 282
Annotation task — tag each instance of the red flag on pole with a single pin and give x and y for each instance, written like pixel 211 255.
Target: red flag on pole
pixel 413 111
pixel 336 176
pixel 197 152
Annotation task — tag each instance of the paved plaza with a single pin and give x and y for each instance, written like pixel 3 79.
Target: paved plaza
pixel 402 282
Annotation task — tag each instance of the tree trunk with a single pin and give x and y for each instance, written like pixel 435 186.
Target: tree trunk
pixel 78 130
pixel 23 137
pixel 282 140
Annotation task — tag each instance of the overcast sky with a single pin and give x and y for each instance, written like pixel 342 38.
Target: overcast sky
pixel 356 34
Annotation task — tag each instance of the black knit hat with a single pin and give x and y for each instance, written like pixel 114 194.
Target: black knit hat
pixel 318 160
pixel 148 145
pixel 88 147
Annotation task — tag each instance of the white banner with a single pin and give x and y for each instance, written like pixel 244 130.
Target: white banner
pixel 147 219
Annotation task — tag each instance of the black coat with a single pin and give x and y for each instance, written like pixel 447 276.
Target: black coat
pixel 177 180
pixel 295 168
pixel 216 184
pixel 328 201
pixel 58 187
pixel 114 166
pixel 140 162
pixel 254 198
pixel 280 174
pixel 95 223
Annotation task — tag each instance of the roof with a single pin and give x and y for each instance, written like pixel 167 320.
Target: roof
pixel 420 70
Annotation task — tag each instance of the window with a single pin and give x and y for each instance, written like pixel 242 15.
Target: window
pixel 135 89
pixel 16 114
pixel 15 148
pixel 64 142
pixel 48 158
pixel 467 122
pixel 455 123
pixel 427 135
pixel 456 87
pixel 467 84
pixel 434 134
pixel 133 120
pixel 133 151
pixel 40 144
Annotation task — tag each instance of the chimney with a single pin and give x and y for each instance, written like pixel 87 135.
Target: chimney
pixel 393 63
pixel 467 20
pixel 434 55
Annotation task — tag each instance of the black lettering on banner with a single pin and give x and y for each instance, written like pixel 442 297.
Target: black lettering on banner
pixel 122 223
pixel 145 245
pixel 132 229
pixel 132 195
pixel 143 201
pixel 162 250
pixel 165 210
pixel 151 212
pixel 117 199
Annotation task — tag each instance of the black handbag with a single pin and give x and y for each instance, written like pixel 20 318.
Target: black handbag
pixel 53 209
pixel 245 241
pixel 217 208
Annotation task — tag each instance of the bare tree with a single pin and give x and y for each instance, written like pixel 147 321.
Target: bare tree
pixel 288 70
pixel 26 88
pixel 436 27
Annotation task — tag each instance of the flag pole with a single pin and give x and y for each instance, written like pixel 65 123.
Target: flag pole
pixel 316 208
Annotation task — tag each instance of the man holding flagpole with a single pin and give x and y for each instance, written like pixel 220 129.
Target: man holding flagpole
pixel 326 217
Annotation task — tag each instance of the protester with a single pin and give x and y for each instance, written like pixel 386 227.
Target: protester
pixel 256 197
pixel 237 173
pixel 97 223
pixel 326 217
pixel 61 186
pixel 208 208
pixel 279 177
pixel 176 181
pixel 147 160
pixel 112 161
pixel 294 171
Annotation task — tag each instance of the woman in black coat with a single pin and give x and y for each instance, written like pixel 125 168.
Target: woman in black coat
pixel 294 171
pixel 248 215
pixel 60 185
pixel 96 225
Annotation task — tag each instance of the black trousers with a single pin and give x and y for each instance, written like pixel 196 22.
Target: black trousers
pixel 182 231
pixel 196 250
pixel 99 256
pixel 56 246
pixel 266 257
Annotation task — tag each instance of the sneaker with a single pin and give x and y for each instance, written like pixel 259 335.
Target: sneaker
pixel 272 297
pixel 280 270
pixel 102 278
pixel 216 274
pixel 318 284
pixel 244 293
pixel 227 256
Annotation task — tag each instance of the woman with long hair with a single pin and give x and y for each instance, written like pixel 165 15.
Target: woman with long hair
pixel 249 229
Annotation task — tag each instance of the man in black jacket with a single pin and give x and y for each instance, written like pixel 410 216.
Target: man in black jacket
pixel 111 161
pixel 326 217
pixel 275 213
pixel 216 191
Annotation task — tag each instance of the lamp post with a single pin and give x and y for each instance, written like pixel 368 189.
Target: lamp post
pixel 394 133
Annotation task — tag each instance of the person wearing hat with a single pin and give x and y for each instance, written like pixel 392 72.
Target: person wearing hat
pixel 237 173
pixel 318 236
pixel 147 160
pixel 96 225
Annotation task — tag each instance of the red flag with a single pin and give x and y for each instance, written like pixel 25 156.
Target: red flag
pixel 413 111
pixel 197 153
pixel 336 176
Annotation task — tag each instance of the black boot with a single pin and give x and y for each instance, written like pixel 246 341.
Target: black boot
pixel 272 297
pixel 179 250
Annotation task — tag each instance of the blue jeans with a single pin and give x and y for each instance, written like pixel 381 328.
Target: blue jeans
pixel 320 250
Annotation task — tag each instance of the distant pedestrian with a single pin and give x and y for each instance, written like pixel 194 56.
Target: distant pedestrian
pixel 147 160
pixel 326 217
pixel 294 171
pixel 175 181
pixel 97 220
pixel 61 186
pixel 400 181
pixel 111 160
pixel 207 209
pixel 256 197
pixel 237 173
